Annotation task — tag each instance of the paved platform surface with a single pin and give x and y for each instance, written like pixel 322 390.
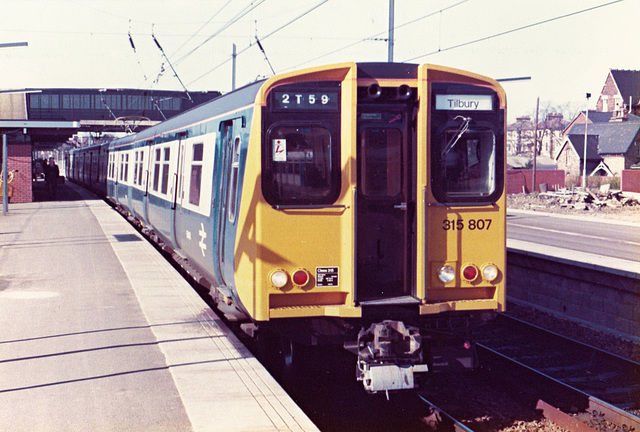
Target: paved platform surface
pixel 99 333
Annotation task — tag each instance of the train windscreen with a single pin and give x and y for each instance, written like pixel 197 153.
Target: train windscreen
pixel 301 145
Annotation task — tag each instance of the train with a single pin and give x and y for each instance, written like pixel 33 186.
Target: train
pixel 354 204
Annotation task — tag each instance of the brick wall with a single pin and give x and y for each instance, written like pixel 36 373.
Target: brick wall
pixel 602 299
pixel 630 181
pixel 610 90
pixel 519 179
pixel 20 160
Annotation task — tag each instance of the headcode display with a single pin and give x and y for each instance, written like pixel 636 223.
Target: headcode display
pixel 306 101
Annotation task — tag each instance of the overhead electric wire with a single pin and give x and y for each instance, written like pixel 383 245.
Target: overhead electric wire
pixel 406 24
pixel 238 16
pixel 513 30
pixel 201 27
pixel 296 19
pixel 380 33
pixel 263 38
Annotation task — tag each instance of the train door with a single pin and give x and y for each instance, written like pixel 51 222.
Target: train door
pixel 385 203
pixel 147 165
pixel 178 182
pixel 89 178
pixel 226 192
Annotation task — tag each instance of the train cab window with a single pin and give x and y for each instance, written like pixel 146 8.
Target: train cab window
pixel 195 181
pixel 380 162
pixel 466 164
pixel 299 165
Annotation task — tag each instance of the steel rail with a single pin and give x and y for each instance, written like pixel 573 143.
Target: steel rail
pixel 559 335
pixel 446 419
pixel 610 412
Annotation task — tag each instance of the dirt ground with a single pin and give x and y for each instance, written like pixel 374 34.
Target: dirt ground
pixel 610 205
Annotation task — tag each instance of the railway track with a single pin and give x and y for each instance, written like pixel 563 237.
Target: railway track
pixel 608 377
pixel 596 387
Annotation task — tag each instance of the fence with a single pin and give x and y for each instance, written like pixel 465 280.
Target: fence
pixel 630 181
pixel 520 181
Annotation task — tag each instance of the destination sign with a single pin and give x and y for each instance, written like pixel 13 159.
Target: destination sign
pixel 307 101
pixel 458 102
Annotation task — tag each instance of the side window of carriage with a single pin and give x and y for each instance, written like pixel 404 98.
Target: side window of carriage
pixel 124 166
pixel 195 177
pixel 161 160
pixel 156 168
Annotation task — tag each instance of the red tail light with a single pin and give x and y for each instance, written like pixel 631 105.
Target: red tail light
pixel 300 277
pixel 470 273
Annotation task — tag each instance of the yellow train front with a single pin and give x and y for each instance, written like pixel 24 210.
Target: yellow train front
pixel 377 218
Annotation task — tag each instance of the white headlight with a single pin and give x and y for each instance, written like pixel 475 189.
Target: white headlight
pixel 279 278
pixel 489 272
pixel 446 274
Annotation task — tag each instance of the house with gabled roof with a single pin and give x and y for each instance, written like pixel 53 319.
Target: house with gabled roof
pixel 594 117
pixel 613 130
pixel 612 146
pixel 621 93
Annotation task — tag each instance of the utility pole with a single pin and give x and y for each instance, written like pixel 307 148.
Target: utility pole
pixel 584 162
pixel 391 25
pixel 233 67
pixel 5 151
pixel 5 176
pixel 535 147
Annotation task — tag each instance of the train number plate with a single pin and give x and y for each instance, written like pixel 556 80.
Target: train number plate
pixel 327 276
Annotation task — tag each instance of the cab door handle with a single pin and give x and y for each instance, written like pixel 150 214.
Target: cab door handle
pixel 401 206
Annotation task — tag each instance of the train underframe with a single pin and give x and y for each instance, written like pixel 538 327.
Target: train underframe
pixel 393 350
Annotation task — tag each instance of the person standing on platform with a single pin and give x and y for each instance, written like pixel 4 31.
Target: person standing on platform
pixel 51 174
pixel 10 176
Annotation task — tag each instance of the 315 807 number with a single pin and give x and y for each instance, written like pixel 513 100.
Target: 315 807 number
pixel 471 224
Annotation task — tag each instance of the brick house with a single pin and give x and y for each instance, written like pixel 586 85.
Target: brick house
pixel 611 147
pixel 569 159
pixel 621 93
pixel 613 141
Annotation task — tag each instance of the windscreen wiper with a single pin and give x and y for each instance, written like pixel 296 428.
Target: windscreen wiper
pixel 454 140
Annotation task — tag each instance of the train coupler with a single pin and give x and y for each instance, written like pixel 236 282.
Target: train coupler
pixel 389 354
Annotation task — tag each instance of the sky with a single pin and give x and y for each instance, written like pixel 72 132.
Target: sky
pixel 567 47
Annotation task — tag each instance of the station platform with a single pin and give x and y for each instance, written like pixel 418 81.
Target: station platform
pixel 100 333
